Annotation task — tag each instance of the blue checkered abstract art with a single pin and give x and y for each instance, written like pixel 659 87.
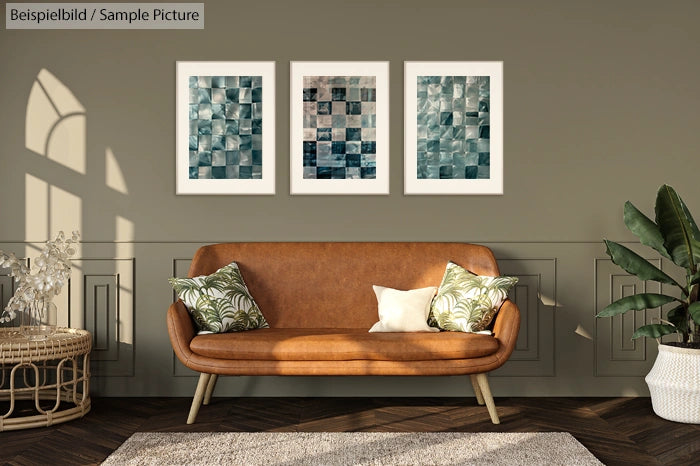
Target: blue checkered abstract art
pixel 453 127
pixel 225 127
pixel 340 121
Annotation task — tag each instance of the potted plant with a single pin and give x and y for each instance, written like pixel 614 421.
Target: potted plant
pixel 674 380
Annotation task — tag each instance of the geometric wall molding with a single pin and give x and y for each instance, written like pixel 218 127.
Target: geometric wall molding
pixel 7 290
pixel 599 359
pixel 616 354
pixel 534 294
pixel 101 300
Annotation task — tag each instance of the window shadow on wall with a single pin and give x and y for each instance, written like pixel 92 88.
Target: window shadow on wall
pixel 70 186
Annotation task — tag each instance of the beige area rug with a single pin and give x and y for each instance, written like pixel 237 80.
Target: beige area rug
pixel 352 448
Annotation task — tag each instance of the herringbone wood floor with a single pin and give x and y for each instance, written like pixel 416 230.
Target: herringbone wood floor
pixel 618 431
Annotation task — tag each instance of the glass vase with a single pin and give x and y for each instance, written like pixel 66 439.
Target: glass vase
pixel 38 321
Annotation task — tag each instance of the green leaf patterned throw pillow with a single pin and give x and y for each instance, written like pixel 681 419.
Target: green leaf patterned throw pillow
pixel 220 302
pixel 466 302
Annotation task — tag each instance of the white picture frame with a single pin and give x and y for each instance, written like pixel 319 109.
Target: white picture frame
pixel 235 150
pixel 342 169
pixel 434 161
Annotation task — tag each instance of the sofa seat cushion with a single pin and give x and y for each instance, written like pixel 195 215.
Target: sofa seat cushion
pixel 294 344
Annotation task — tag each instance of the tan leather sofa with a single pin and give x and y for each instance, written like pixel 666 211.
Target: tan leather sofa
pixel 319 302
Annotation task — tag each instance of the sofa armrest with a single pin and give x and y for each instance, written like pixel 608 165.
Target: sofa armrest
pixel 181 330
pixel 506 327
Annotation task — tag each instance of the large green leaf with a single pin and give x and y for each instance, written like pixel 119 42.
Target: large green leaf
pixel 635 302
pixel 677 227
pixel 695 279
pixel 644 228
pixel 694 310
pixel 693 226
pixel 678 317
pixel 654 330
pixel 694 231
pixel 633 263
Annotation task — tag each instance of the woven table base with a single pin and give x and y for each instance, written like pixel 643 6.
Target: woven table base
pixel 53 373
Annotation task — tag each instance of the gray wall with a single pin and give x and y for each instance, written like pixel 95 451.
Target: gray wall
pixel 600 107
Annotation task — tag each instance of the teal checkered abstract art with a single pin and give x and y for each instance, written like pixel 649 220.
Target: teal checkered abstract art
pixel 453 127
pixel 340 121
pixel 225 127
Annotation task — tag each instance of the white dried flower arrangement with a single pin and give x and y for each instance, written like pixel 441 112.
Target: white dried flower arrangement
pixel 54 265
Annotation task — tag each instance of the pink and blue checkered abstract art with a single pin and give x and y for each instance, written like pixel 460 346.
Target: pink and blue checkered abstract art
pixel 340 120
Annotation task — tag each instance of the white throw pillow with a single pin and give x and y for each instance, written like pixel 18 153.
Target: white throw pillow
pixel 403 311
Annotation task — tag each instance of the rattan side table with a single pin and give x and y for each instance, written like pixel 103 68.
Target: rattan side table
pixel 55 371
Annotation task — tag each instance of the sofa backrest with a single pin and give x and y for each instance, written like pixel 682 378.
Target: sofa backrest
pixel 329 285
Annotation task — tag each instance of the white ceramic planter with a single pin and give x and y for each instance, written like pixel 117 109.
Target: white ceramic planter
pixel 674 383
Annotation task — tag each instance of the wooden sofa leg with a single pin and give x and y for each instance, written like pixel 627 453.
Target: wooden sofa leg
pixel 210 389
pixel 477 390
pixel 198 396
pixel 483 382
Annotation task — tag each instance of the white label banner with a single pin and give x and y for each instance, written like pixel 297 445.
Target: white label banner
pixel 104 15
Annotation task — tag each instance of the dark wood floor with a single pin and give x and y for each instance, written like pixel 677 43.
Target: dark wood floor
pixel 618 431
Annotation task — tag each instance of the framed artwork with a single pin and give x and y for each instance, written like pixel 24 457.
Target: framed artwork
pixel 453 128
pixel 339 128
pixel 225 128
